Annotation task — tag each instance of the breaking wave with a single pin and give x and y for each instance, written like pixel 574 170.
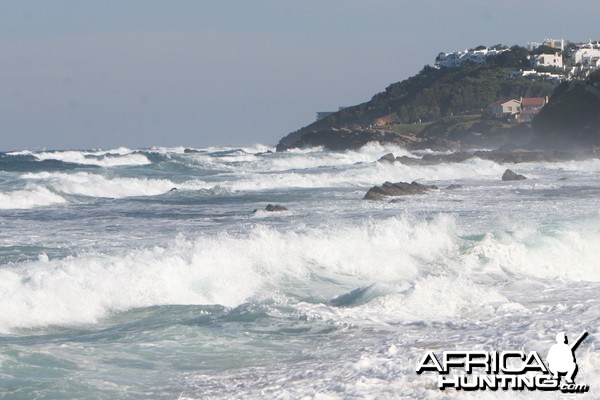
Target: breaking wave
pixel 111 158
pixel 95 185
pixel 422 270
pixel 29 198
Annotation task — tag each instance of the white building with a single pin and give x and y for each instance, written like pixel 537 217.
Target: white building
pixel 547 60
pixel 503 108
pixel 458 58
pixel 556 78
pixel 554 43
pixel 586 56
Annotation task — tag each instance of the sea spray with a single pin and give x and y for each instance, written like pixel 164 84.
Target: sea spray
pixel 130 289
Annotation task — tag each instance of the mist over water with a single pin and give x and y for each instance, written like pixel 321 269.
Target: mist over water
pixel 145 273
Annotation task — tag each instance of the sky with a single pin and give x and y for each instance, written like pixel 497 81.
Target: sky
pixel 83 74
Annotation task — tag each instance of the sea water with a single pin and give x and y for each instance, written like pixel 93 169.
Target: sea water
pixel 147 274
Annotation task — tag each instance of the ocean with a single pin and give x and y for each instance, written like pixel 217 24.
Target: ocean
pixel 147 274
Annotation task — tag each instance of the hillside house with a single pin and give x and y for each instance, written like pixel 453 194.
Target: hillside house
pixel 547 76
pixel 506 107
pixel 525 116
pixel 522 110
pixel 547 60
pixel 587 57
pixel 530 107
pixel 533 104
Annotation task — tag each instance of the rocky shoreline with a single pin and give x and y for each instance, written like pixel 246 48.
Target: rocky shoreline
pixel 339 139
pixel 389 189
pixel 514 156
pixel 399 189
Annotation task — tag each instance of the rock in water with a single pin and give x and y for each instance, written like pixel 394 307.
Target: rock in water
pixel 389 157
pixel 512 176
pixel 410 160
pixel 454 186
pixel 397 189
pixel 275 207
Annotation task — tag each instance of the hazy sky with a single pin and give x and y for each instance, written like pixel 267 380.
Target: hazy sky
pixel 137 73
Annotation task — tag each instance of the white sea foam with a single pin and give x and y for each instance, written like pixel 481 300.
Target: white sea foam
pixel 513 265
pixel 20 153
pixel 166 150
pixel 96 185
pixel 424 267
pixel 564 253
pixel 320 158
pixel 358 169
pixel 111 158
pixel 365 175
pixel 298 159
pixel 222 269
pixel 359 176
pixel 30 197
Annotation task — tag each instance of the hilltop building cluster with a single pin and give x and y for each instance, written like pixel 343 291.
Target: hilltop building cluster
pixel 455 59
pixel 553 43
pixel 551 59
pixel 545 64
pixel 586 57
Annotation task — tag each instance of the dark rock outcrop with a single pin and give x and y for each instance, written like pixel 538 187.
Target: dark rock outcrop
pixel 410 160
pixel 262 153
pixel 389 157
pixel 518 156
pixel 397 189
pixel 512 176
pixel 271 208
pixel 343 138
pixel 454 186
pixel 275 207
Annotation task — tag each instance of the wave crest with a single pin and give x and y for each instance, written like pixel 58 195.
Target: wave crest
pixel 29 198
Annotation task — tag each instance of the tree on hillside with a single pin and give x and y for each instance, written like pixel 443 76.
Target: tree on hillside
pixel 545 50
pixel 594 77
pixel 480 47
pixel 515 57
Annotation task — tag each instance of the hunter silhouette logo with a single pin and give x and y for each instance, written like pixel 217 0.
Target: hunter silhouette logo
pixel 561 357
pixel 508 370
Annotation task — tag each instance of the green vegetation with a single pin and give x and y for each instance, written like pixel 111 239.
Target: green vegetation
pixel 406 129
pixel 449 126
pixel 433 94
pixel 573 113
pixel 545 50
pixel 447 108
pixel 453 127
pixel 516 58
pixel 594 77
